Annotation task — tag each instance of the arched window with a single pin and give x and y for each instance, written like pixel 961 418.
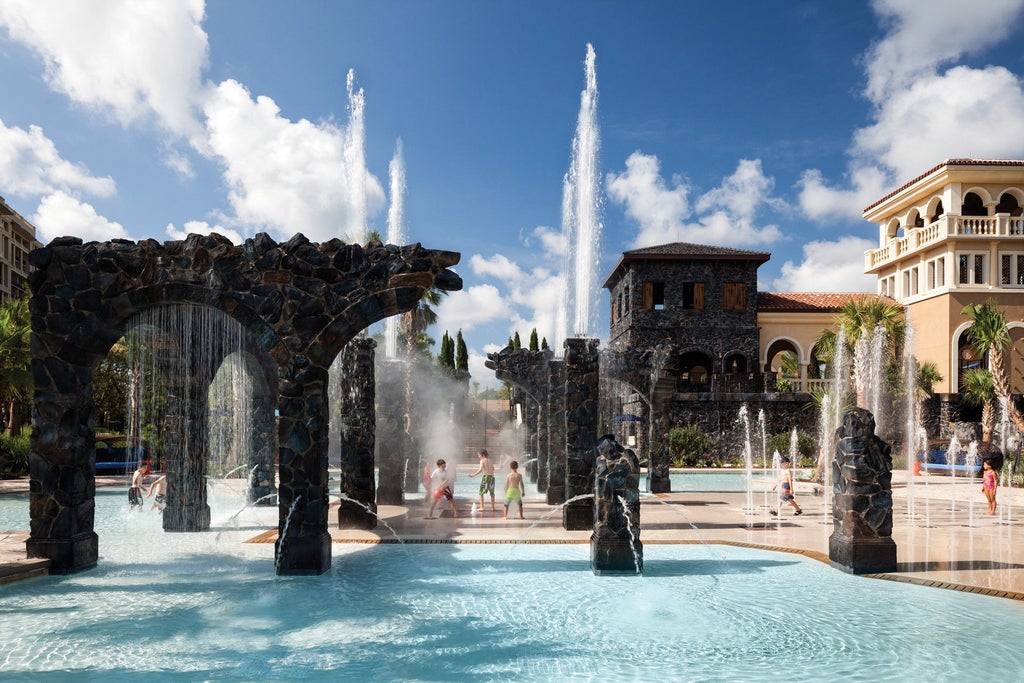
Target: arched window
pixel 938 212
pixel 973 206
pixel 736 364
pixel 695 367
pixel 967 359
pixel 1008 204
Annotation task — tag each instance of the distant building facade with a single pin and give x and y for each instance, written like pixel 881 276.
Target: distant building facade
pixel 951 237
pixel 954 236
pixel 17 239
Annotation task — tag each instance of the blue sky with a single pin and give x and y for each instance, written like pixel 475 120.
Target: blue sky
pixel 749 124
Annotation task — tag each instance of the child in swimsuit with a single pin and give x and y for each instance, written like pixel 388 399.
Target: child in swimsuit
pixel 989 482
pixel 441 480
pixel 514 489
pixel 486 472
pixel 786 490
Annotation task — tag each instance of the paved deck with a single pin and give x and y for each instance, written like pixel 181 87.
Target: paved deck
pixel 943 535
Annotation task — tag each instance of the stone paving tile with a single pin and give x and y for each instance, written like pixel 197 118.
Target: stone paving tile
pixel 950 543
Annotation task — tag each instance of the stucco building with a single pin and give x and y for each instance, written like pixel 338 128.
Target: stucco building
pixel 17 239
pixel 954 236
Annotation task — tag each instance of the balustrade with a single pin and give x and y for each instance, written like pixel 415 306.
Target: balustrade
pixel 946 226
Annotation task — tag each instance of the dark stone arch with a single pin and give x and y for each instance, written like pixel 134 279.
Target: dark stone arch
pixel 301 302
pixel 695 368
pixel 529 371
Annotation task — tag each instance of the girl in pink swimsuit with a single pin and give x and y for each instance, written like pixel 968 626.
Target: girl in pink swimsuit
pixel 989 482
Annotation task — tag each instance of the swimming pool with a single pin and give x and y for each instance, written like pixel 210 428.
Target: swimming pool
pixel 186 607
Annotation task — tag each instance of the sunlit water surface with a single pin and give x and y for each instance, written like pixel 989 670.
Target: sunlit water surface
pixel 205 606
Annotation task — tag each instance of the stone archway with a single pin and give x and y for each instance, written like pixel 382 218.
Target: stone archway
pixel 300 302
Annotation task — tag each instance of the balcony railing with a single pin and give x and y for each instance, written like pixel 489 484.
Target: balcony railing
pixel 947 226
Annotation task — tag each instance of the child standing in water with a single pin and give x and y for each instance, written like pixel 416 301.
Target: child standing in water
pixel 989 483
pixel 786 490
pixel 514 489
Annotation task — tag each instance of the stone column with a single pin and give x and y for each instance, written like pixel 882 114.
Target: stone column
pixel 581 396
pixel 186 440
pixel 303 544
pixel 358 508
pixel 861 541
pixel 263 442
pixel 530 409
pixel 658 462
pixel 556 433
pixel 62 467
pixel 390 444
pixel 543 465
pixel 615 546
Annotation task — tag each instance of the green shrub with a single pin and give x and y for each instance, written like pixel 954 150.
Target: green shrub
pixel 807 448
pixel 689 447
pixel 15 451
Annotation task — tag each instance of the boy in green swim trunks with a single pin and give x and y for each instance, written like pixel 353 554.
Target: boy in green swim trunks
pixel 514 489
pixel 486 470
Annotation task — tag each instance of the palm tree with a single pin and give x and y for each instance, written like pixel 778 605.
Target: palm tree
pixel 15 360
pixel 862 317
pixel 990 337
pixel 978 388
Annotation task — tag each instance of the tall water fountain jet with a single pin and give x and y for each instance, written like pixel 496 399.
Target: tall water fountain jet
pixel 354 153
pixel 396 235
pixel 581 214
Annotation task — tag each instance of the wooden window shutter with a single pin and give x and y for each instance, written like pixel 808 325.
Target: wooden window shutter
pixel 698 296
pixel 648 296
pixel 735 296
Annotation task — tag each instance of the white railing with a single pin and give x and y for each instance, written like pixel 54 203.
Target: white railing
pixel 948 225
pixel 802 385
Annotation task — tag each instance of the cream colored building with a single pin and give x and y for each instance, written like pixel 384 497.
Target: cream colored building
pixel 792 322
pixel 17 239
pixel 951 237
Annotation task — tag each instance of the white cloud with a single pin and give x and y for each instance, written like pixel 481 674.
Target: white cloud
pixel 923 36
pixel 658 208
pixel 480 372
pixel 819 201
pixel 290 177
pixel 31 165
pixel 725 215
pixel 60 214
pixel 828 267
pixel 924 115
pixel 498 267
pixel 552 241
pixel 962 113
pixel 202 228
pixel 470 307
pixel 136 59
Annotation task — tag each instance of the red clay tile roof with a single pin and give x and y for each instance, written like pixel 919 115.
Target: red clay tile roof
pixel 808 302
pixel 947 162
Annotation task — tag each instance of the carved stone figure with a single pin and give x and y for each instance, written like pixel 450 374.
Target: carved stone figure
pixel 861 541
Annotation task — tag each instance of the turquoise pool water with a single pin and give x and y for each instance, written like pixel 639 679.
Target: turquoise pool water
pixel 193 607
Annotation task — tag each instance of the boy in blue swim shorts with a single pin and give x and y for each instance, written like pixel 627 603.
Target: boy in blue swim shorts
pixel 787 492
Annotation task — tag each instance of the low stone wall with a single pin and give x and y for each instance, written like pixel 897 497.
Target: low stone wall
pixel 717 415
